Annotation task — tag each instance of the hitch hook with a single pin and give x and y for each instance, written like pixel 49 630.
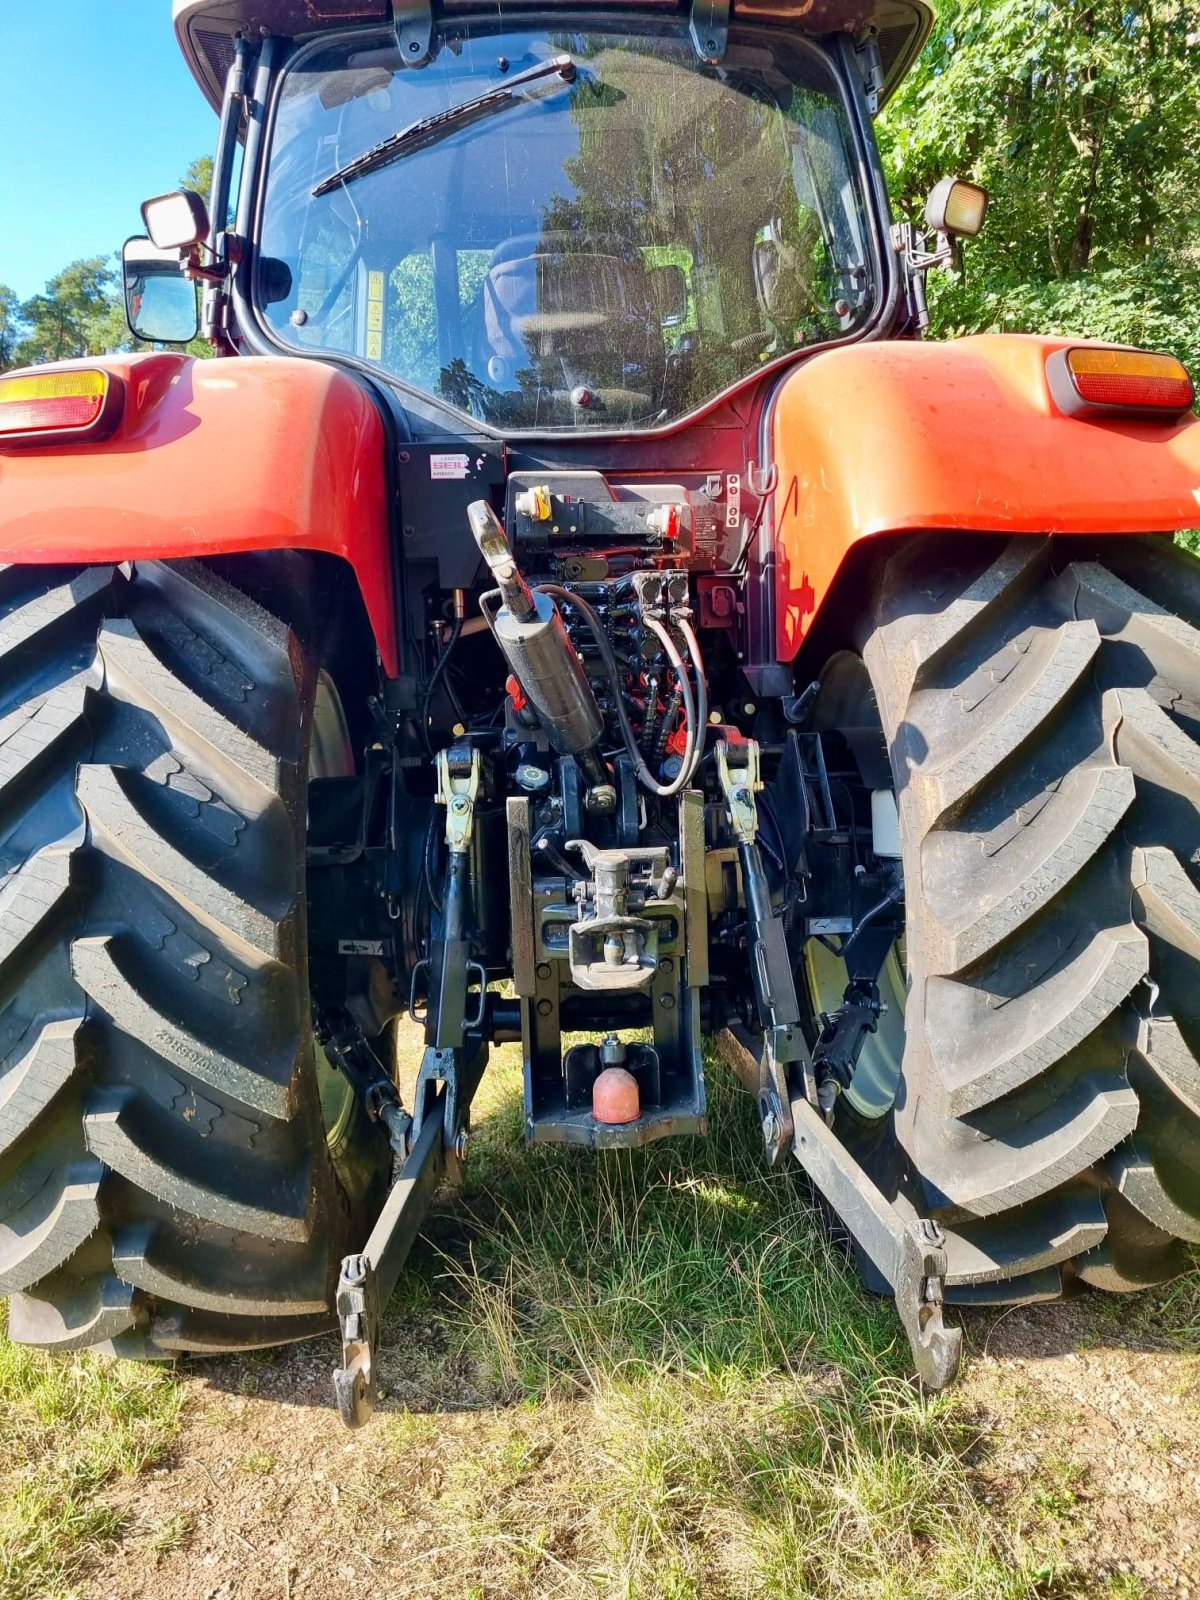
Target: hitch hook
pixel 920 1269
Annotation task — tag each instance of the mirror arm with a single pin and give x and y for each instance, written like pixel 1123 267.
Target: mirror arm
pixel 220 266
pixel 918 258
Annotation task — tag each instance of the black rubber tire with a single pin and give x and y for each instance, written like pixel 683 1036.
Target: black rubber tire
pixel 165 1181
pixel 1041 704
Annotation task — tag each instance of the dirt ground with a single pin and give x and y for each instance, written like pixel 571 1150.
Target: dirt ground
pixel 265 1494
pixel 1072 1441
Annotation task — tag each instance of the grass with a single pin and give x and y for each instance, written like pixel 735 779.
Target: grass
pixel 68 1429
pixel 641 1376
pixel 693 1397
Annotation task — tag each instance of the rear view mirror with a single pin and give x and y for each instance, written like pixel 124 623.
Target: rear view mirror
pixel 956 208
pixel 160 303
pixel 176 221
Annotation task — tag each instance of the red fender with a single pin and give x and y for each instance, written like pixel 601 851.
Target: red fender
pixel 211 458
pixel 899 437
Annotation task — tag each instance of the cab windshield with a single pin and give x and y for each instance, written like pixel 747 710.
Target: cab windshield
pixel 609 248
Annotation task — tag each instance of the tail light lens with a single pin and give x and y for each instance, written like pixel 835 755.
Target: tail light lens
pixel 1089 380
pixel 49 407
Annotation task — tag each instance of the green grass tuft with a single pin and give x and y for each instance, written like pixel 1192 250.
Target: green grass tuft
pixel 70 1426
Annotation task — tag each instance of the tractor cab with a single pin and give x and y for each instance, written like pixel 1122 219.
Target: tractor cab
pixel 581 223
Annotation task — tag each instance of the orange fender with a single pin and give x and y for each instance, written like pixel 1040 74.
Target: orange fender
pixel 211 458
pixel 897 437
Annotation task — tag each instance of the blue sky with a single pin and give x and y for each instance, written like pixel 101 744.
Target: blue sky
pixel 97 113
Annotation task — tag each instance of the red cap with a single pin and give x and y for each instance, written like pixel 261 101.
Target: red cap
pixel 615 1097
pixel 515 693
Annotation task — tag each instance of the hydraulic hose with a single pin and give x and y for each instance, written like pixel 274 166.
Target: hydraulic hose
pixel 646 778
pixel 693 645
pixel 683 777
pixel 438 673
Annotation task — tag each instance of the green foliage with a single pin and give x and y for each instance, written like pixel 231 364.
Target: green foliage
pixel 1082 119
pixel 73 317
pixel 199 176
pixel 10 326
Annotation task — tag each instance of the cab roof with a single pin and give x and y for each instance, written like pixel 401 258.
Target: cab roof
pixel 206 28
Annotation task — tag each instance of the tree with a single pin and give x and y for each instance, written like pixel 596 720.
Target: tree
pixel 1082 118
pixel 72 317
pixel 199 176
pixel 81 312
pixel 10 326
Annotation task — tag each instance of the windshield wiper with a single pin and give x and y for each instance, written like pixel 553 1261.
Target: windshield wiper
pixel 428 130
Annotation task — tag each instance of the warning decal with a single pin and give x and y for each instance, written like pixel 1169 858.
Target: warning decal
pixel 375 282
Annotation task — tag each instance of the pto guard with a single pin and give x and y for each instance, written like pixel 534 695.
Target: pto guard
pixel 904 437
pixel 213 458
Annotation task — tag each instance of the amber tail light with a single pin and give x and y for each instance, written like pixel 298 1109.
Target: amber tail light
pixel 1090 380
pixel 56 407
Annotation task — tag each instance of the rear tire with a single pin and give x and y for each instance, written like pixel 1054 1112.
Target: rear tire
pixel 165 1181
pixel 1041 705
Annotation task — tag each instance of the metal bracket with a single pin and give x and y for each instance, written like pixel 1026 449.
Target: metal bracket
pixel 350 1052
pixel 368 1278
pixel 910 1255
pixel 710 29
pixel 354 1383
pixel 916 259
pixel 870 68
pixel 414 30
pixel 920 1271
pixel 445 1088
pixel 418 998
pixel 774 1095
pixel 458 792
pixel 740 782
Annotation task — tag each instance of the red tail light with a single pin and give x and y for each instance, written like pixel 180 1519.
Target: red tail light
pixel 1089 380
pixel 48 407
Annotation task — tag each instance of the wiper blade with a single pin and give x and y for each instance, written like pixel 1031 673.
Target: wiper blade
pixel 428 130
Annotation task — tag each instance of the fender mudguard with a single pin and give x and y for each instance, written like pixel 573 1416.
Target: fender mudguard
pixel 963 436
pixel 212 458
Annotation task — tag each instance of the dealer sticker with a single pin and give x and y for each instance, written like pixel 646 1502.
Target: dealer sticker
pixel 442 468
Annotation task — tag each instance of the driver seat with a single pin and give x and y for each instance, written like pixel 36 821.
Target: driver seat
pixel 577 313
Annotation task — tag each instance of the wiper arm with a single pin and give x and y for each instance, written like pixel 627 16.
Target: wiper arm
pixel 428 130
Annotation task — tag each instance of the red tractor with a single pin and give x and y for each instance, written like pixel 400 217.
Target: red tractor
pixel 577 603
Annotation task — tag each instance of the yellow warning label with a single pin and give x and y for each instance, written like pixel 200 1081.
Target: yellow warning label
pixel 374 285
pixel 374 314
pixel 374 346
